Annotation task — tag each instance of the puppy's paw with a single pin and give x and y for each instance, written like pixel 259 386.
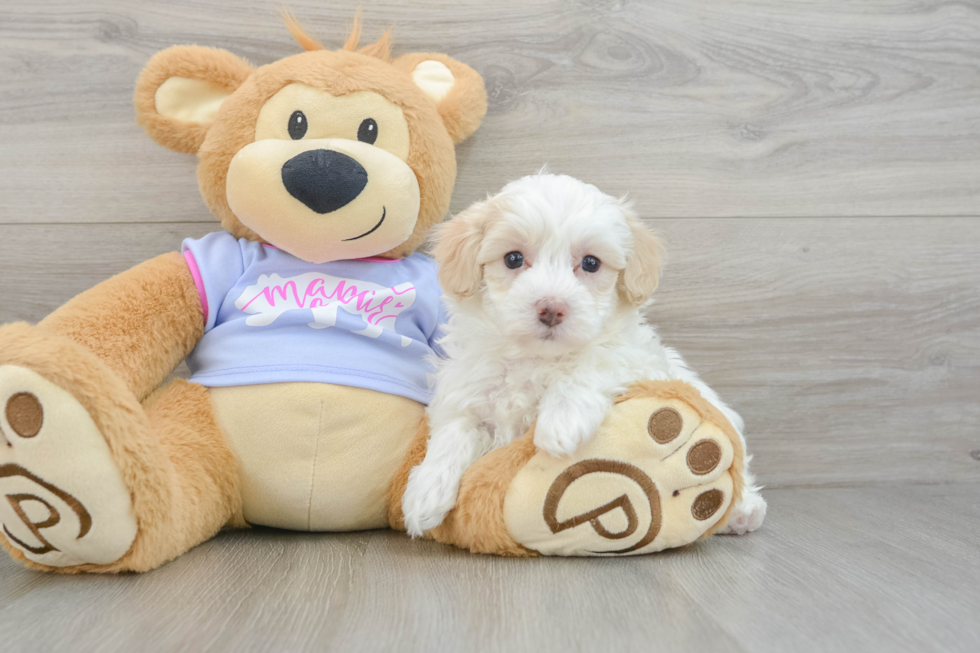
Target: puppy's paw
pixel 429 496
pixel 563 425
pixel 556 438
pixel 747 515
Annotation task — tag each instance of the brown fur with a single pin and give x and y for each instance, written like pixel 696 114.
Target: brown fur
pixel 220 68
pixel 463 108
pixel 431 154
pixel 381 49
pixel 177 503
pixel 433 129
pixel 112 346
pixel 141 323
pixel 200 462
pixel 307 41
pixel 477 522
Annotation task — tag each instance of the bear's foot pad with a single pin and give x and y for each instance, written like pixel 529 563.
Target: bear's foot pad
pixel 62 500
pixel 656 475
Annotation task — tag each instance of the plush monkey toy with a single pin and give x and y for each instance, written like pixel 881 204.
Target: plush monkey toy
pixel 306 324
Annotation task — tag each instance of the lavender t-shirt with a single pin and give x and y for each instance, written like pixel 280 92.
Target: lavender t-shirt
pixel 272 318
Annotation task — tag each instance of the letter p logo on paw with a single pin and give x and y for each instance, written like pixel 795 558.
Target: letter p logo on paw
pixel 655 476
pixel 62 499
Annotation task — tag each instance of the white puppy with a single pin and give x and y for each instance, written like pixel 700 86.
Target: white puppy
pixel 545 282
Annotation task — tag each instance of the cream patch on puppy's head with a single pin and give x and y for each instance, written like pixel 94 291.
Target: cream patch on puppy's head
pixel 550 259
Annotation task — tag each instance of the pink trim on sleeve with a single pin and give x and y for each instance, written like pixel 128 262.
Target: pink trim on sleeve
pixel 198 281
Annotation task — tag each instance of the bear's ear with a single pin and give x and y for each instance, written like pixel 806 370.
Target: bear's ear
pixel 456 89
pixel 180 90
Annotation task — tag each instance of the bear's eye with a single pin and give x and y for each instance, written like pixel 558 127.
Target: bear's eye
pixel 590 263
pixel 514 260
pixel 368 131
pixel 297 125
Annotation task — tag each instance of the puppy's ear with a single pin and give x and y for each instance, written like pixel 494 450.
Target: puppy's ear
pixel 180 90
pixel 456 89
pixel 641 275
pixel 457 248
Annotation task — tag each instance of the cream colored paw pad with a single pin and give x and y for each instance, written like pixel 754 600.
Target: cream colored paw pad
pixel 62 500
pixel 654 476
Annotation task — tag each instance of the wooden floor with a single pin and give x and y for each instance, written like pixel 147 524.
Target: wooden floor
pixel 815 168
pixel 843 569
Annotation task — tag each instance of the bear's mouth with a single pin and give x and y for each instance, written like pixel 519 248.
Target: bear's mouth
pixel 372 229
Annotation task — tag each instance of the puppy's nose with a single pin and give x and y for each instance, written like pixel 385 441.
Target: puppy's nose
pixel 551 313
pixel 324 180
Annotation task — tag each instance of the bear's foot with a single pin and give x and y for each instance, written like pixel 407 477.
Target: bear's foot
pixel 663 470
pixel 63 502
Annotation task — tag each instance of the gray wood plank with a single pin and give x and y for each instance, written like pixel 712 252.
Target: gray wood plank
pixel 892 568
pixel 851 347
pixel 757 108
pixel 850 343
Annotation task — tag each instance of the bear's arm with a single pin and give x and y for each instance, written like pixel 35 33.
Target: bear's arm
pixel 142 322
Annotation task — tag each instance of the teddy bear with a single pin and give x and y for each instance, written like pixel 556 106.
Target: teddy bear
pixel 307 324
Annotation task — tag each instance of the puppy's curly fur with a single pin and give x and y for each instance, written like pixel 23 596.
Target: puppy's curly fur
pixel 546 281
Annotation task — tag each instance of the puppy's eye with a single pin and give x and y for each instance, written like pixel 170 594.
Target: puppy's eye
pixel 514 260
pixel 368 131
pixel 590 263
pixel 297 125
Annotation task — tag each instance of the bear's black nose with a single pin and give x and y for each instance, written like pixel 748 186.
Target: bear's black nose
pixel 324 180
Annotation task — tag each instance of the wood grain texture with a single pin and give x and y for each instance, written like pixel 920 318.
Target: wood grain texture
pixel 891 569
pixel 776 143
pixel 851 347
pixel 754 108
